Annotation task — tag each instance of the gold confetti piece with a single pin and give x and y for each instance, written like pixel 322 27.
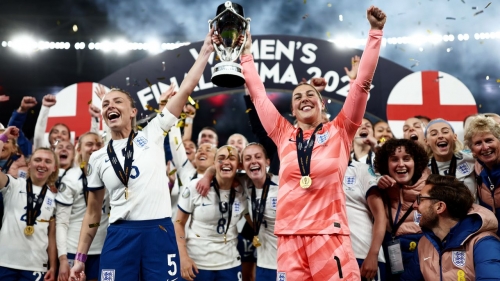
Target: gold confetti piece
pixel 172 172
pixel 414 60
pixel 382 140
pixel 428 31
pixel 183 115
pixel 329 4
pixel 305 1
pixel 328 34
pixel 180 124
pixel 477 13
pixel 498 80
pixel 197 234
pixel 176 141
pixel 178 221
pixel 248 110
pixel 165 134
pixel 82 165
pixel 215 122
pixel 32 112
pixel 179 146
pixel 160 78
pixel 191 100
pixel 217 58
pixel 89 102
pixel 178 55
pixel 230 150
pixel 150 108
pixel 197 106
pixel 149 83
pixel 487 5
pixel 402 49
pixel 139 127
pixel 450 18
pixel 42 220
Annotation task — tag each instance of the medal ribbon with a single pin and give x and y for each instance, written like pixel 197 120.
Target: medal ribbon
pixel 9 163
pixel 129 155
pixel 451 171
pixel 258 211
pixel 304 150
pixel 32 211
pixel 85 186
pixel 232 196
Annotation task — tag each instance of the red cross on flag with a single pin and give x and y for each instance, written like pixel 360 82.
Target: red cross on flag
pixel 433 94
pixel 72 108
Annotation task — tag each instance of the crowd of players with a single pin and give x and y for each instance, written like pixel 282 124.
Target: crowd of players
pixel 314 200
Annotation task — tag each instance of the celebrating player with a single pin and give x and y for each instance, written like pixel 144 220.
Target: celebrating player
pixel 28 235
pixel 311 222
pixel 140 243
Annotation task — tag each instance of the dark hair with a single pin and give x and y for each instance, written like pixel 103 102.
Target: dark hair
pixel 414 149
pixel 60 124
pixel 453 193
pixel 378 122
pixel 423 117
pixel 209 128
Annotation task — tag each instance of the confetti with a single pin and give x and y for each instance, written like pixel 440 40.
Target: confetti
pixel 176 141
pixel 450 18
pixel 89 102
pixel 160 78
pixel 139 127
pixel 172 172
pixel 183 115
pixel 128 81
pixel 197 106
pixel 178 55
pixel 191 100
pixel 165 133
pixel 179 146
pixel 498 80
pixel 82 165
pixel 463 1
pixel 150 108
pixel 230 150
pixel 474 8
pixel 217 58
pixel 329 4
pixel 180 124
pixel 215 122
pixel 487 5
pixel 477 13
pixel 305 1
pixel 248 110
pixel 414 65
pixel 428 31
pixel 197 234
pixel 163 64
pixel 149 83
pixel 305 16
pixel 328 34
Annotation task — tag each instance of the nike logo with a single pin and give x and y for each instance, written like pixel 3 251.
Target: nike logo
pixel 203 204
pixel 173 279
pixel 106 160
pixel 22 192
pixel 426 258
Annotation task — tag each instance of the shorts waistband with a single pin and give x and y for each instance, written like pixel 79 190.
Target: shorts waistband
pixel 142 224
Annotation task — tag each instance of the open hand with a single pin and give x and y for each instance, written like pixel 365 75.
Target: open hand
pixel 353 72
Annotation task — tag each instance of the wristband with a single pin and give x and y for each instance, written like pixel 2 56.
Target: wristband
pixel 81 257
pixel 188 120
pixel 170 185
pixel 4 138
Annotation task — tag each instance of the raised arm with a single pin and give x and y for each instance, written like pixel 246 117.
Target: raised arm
pixel 376 205
pixel 10 132
pixel 18 119
pixel 95 113
pixel 188 127
pixel 41 122
pixel 355 105
pixel 176 103
pixel 268 113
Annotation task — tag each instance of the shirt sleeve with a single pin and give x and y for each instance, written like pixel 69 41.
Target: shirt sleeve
pixel 66 194
pixel 186 199
pixel 62 225
pixel 41 127
pixel 93 172
pixel 355 104
pixel 272 121
pixel 158 125
pixel 18 119
pixel 486 261
pixel 13 185
pixel 179 152
pixel 368 178
pixel 412 269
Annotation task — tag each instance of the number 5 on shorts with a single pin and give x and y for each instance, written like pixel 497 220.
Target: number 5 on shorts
pixel 171 262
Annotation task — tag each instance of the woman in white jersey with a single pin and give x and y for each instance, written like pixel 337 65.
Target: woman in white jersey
pixel 447 156
pixel 65 151
pixel 208 249
pixel 263 195
pixel 71 205
pixel 140 243
pixel 27 238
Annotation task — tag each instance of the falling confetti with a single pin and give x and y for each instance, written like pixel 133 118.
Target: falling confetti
pixel 217 58
pixel 89 102
pixel 329 4
pixel 139 127
pixel 178 55
pixel 197 106
pixel 474 8
pixel 305 16
pixel 160 78
pixel 149 83
pixel 498 80
pixel 180 124
pixel 215 122
pixel 176 141
pixel 450 18
pixel 414 65
pixel 128 81
pixel 463 1
pixel 191 100
pixel 428 31
pixel 183 115
pixel 172 172
pixel 305 1
pixel 165 133
pixel 163 64
pixel 328 34
pixel 248 110
pixel 477 13
pixel 487 5
pixel 150 108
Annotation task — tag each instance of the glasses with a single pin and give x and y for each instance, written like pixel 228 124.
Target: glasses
pixel 420 197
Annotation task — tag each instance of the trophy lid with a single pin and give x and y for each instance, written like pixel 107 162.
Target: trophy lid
pixel 237 8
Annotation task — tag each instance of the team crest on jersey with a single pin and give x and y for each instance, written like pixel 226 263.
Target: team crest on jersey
pixel 321 139
pixel 349 180
pixel 464 168
pixel 236 206
pixel 21 174
pixel 186 193
pixel 62 187
pixel 49 202
pixel 108 275
pixel 89 169
pixel 274 202
pixel 416 218
pixel 458 258
pixel 141 141
pixel 281 276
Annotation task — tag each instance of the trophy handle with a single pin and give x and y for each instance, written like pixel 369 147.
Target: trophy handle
pixel 240 49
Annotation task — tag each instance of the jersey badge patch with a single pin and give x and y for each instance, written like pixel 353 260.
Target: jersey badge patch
pixel 237 206
pixel 349 180
pixel 21 174
pixel 416 218
pixel 108 275
pixel 62 187
pixel 321 139
pixel 141 141
pixel 186 193
pixel 281 276
pixel 89 169
pixel 49 202
pixel 458 258
pixel 464 168
pixel 274 202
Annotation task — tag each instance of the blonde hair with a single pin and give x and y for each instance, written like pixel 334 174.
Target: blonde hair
pixel 78 158
pixel 55 175
pixel 457 144
pixel 481 124
pixel 229 148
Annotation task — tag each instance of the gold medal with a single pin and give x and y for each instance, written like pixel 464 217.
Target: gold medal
pixel 256 241
pixel 305 182
pixel 29 230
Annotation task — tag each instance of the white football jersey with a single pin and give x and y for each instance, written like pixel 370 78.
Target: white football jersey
pixel 465 169
pixel 204 242
pixel 19 251
pixel 71 195
pixel 267 253
pixel 149 196
pixel 359 178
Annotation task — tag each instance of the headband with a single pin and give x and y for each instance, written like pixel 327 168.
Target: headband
pixel 437 121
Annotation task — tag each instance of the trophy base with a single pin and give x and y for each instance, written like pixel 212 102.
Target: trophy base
pixel 228 75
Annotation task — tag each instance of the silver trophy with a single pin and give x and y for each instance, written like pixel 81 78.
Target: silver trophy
pixel 229 25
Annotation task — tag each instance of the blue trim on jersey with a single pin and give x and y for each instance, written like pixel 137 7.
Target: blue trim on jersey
pixel 64 204
pixel 185 162
pixel 183 210
pixel 370 189
pixel 95 188
pixel 8 181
